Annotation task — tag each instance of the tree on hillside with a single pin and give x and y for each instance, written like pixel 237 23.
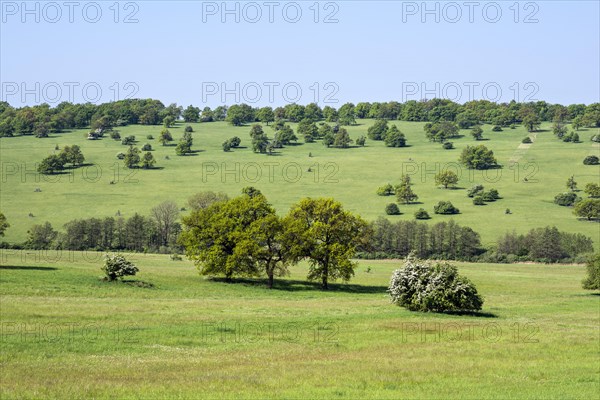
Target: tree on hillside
pixel 571 184
pixel 327 235
pixel 404 192
pixel 378 130
pixel 342 139
pixel 132 158
pixel 191 114
pixel 266 115
pixel 165 137
pixel 440 131
pixel 478 157
pixel 588 208
pixel 446 178
pixel 394 138
pixel 51 164
pixel 148 160
pixel 72 155
pixel 477 132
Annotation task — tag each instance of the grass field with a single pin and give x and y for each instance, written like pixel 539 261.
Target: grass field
pixel 66 334
pixel 349 175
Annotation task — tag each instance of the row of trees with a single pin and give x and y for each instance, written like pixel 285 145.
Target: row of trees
pixel 245 237
pixel 443 240
pixel 57 162
pixel 42 119
pixel 155 233
pixel 543 244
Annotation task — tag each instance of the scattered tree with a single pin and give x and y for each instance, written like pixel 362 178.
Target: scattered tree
pixel 446 178
pixel 117 266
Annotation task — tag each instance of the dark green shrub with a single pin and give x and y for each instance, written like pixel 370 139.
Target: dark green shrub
pixel 526 140
pixel 445 207
pixel 392 209
pixel 591 160
pixel 497 128
pixel 565 199
pixel 147 147
pixel 448 145
pixel 478 201
pixel 421 214
pixel 475 190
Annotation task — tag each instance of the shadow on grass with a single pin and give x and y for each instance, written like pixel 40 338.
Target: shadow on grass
pixel 478 314
pixel 290 285
pixel 27 268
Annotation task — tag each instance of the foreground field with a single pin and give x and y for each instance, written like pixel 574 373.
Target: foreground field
pixel 351 176
pixel 66 334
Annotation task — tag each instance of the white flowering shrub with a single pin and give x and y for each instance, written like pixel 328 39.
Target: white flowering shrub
pixel 425 286
pixel 116 266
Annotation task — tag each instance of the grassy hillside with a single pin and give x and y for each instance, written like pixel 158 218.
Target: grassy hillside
pixel 66 334
pixel 349 175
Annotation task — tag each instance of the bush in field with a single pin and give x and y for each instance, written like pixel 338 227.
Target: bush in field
pixel 591 160
pixel 565 199
pixel 147 147
pixel 475 190
pixel 478 201
pixel 116 266
pixel 448 145
pixel 526 140
pixel 445 207
pixel 424 286
pixel 421 214
pixel 592 281
pixel 392 209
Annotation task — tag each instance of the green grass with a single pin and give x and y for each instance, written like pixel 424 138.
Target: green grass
pixel 67 334
pixel 349 175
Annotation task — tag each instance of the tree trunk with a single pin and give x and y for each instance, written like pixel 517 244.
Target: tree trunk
pixel 270 284
pixel 325 286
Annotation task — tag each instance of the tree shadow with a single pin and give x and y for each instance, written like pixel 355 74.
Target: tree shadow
pixel 27 268
pixel 294 285
pixel 478 314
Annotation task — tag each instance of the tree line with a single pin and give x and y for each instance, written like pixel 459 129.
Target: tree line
pixel 41 120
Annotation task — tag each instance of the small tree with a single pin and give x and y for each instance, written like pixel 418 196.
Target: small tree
pixel 571 184
pixel 588 208
pixel 448 145
pixel 147 147
pixel 386 190
pixel 477 132
pixel 360 141
pixel 478 201
pixel 427 287
pixel 404 192
pixel 592 190
pixel 148 161
pixel 132 158
pixel 51 164
pixel 475 190
pixel 116 266
pixel 591 160
pixel 446 178
pixel 592 281
pixel 165 137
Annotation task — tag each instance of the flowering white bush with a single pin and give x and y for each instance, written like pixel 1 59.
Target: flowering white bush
pixel 424 286
pixel 116 266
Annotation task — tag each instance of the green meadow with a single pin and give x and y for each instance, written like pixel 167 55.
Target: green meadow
pixel 170 333
pixel 530 178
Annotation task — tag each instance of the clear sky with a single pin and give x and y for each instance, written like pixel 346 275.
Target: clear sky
pixel 275 52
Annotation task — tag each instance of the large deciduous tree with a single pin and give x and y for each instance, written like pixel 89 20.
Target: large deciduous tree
pixel 327 235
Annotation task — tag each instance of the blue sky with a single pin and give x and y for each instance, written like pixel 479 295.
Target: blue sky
pixel 191 52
